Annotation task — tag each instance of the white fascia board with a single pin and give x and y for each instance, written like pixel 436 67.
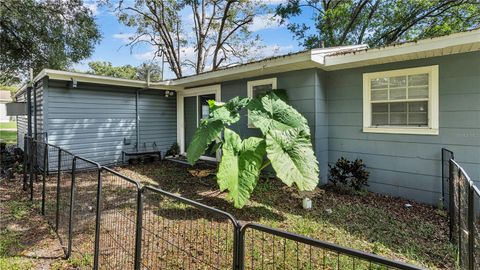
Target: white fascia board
pixel 281 61
pixel 425 45
pixel 318 55
pixel 90 78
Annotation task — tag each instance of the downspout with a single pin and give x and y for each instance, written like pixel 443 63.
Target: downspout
pixel 29 111
pixel 137 115
pixel 35 111
pixel 137 121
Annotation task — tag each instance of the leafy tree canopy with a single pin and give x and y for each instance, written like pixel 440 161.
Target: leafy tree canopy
pixel 216 35
pixel 126 71
pixel 43 34
pixel 377 22
pixel 285 145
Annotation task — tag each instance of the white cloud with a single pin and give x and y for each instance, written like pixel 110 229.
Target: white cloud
pixel 128 37
pixel 93 6
pixel 265 21
pixel 274 2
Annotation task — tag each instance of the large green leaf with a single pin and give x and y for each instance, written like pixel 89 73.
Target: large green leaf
pixel 291 155
pixel 222 114
pixel 240 166
pixel 271 113
pixel 205 134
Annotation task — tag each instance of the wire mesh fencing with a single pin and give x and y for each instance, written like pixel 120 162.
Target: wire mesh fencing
pixel 110 221
pixel 464 217
pixel 267 248
pixel 178 233
pixel 119 199
pixel 85 179
pixel 63 197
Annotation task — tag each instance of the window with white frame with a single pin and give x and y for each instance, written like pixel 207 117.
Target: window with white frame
pixel 259 87
pixel 401 101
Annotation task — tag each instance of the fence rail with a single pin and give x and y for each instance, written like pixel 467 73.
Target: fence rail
pixel 113 222
pixel 464 213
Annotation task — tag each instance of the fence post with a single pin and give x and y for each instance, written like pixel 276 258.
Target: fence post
pixel 31 167
pixel 25 163
pixel 57 206
pixel 239 240
pixel 471 227
pixel 451 200
pixel 72 201
pixel 96 253
pixel 138 231
pixel 45 165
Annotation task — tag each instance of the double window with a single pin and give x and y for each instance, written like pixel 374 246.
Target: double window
pixel 259 87
pixel 401 101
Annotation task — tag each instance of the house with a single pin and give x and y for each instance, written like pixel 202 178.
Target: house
pixel 5 97
pixel 395 107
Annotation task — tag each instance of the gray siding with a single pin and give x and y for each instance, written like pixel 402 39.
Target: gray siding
pixel 93 120
pixel 305 92
pixel 158 120
pixel 22 121
pixel 409 165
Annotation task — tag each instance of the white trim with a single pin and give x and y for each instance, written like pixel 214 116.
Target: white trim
pixel 326 59
pixel 433 108
pixel 211 89
pixel 414 49
pixel 251 84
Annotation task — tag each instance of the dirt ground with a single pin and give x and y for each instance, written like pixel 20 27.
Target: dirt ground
pixel 176 235
pixel 26 240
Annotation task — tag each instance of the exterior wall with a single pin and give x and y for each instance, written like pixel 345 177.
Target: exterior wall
pixel 158 120
pixel 93 120
pixel 22 121
pixel 409 165
pixel 305 92
pixel 22 124
pixel 4 98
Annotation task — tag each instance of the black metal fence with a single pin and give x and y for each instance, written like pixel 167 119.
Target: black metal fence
pixel 111 221
pixel 464 213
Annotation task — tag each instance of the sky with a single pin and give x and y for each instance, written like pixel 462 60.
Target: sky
pixel 113 48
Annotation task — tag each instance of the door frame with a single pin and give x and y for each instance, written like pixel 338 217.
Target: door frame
pixel 215 89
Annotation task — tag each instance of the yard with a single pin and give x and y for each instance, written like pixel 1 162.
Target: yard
pixel 367 221
pixel 8 132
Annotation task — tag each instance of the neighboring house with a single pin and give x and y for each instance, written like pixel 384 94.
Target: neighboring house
pixel 395 107
pixel 5 97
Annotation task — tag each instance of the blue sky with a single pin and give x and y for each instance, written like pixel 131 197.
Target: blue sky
pixel 276 38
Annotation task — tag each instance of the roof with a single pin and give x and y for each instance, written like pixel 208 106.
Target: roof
pixel 334 58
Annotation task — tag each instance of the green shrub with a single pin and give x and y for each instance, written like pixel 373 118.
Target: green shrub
pixel 174 150
pixel 349 174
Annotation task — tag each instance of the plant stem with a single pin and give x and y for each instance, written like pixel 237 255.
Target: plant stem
pixel 265 165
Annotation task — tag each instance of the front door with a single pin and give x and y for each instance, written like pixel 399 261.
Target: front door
pixel 195 108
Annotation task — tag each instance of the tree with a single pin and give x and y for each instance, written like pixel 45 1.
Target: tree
pixel 126 71
pixel 44 34
pixel 378 22
pixel 285 145
pixel 216 34
pixel 107 69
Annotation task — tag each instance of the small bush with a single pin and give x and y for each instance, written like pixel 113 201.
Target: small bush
pixel 349 174
pixel 174 150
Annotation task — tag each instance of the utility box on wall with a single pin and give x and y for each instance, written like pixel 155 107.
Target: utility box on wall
pixel 16 108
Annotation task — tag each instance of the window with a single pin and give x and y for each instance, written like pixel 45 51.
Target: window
pixel 401 101
pixel 255 88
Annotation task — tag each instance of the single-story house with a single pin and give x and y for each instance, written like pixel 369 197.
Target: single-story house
pixel 5 97
pixel 394 107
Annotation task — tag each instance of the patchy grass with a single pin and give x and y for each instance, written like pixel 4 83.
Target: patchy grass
pixel 366 221
pixel 26 240
pixel 9 137
pixel 11 124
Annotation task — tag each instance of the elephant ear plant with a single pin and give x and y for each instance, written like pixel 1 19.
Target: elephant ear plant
pixel 285 145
